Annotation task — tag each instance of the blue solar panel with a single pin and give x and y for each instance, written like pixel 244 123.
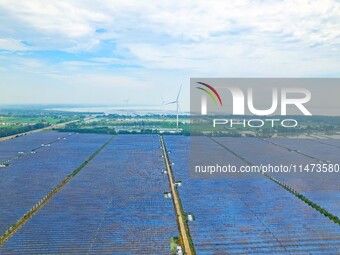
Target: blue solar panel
pixel 29 178
pixel 10 148
pixel 321 188
pixel 248 215
pixel 115 205
pixel 310 147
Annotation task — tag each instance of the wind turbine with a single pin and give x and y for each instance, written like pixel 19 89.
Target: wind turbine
pixel 127 100
pixel 177 106
pixel 163 103
pixel 127 103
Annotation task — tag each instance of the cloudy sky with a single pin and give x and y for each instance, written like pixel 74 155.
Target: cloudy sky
pixel 102 52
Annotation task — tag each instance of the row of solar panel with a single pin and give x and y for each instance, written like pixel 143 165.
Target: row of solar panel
pixel 115 205
pixel 247 215
pixel 321 187
pixel 12 148
pixel 30 178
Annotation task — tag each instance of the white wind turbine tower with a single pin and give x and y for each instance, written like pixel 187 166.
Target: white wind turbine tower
pixel 126 101
pixel 177 106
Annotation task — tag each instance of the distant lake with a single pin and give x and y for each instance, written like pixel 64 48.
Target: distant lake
pixel 124 109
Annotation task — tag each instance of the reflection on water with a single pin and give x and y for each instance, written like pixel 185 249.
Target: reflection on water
pixel 122 110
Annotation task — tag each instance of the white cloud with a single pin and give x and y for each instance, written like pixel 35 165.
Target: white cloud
pixel 12 45
pixel 103 80
pixel 238 59
pixel 76 21
pixel 58 17
pixel 172 40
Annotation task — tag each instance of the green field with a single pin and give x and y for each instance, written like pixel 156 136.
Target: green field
pixel 19 120
pixel 16 121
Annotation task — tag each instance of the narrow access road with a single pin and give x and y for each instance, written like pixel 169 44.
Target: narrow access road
pixel 185 236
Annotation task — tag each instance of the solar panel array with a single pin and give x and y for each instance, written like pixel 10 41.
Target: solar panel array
pixel 31 177
pixel 114 205
pixel 247 215
pixel 308 146
pixel 321 188
pixel 11 148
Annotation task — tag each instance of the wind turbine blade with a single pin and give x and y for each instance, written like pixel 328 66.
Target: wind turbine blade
pixel 163 101
pixel 179 92
pixel 173 102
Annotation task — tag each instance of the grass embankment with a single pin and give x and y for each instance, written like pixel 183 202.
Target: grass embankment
pixel 309 202
pixel 173 245
pixel 28 120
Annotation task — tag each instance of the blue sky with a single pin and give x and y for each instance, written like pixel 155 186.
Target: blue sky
pixel 80 51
